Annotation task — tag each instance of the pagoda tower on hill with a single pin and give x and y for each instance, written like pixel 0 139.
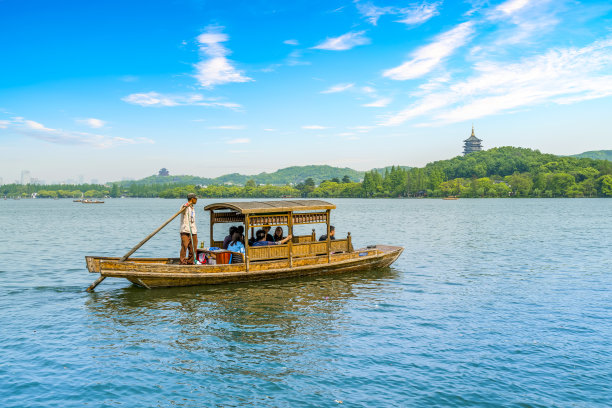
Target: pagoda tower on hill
pixel 472 144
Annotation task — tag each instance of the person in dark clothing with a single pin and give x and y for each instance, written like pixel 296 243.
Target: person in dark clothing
pixel 266 229
pixel 261 239
pixel 228 239
pixel 240 230
pixel 332 233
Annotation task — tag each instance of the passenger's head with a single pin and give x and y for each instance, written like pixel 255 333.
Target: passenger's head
pixel 260 235
pixel 236 237
pixel 232 230
pixel 278 232
pixel 240 229
pixel 266 228
pixel 332 230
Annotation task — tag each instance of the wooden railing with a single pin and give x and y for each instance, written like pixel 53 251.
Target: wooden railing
pixel 259 253
pixel 268 252
pixel 298 239
pixel 341 245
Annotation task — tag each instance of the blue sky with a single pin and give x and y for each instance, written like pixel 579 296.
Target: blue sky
pixel 109 89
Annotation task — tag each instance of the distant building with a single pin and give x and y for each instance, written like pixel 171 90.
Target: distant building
pixel 472 144
pixel 164 172
pixel 25 177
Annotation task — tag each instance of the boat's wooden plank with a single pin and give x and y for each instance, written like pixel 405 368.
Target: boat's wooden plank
pixel 219 278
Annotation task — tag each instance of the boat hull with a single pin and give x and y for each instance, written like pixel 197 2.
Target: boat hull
pixel 166 272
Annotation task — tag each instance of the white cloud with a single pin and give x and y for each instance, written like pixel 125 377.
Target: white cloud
pixel 155 99
pixel 426 58
pixel 344 42
pixel 37 126
pixel 372 12
pixel 338 88
pixel 216 68
pixel 39 131
pixel 521 21
pixel 314 127
pixel 291 42
pixel 419 13
pixel 239 141
pixel 379 103
pixel 4 124
pixel 92 122
pixel 270 130
pixel 294 58
pixel 414 14
pixel 512 6
pixel 561 76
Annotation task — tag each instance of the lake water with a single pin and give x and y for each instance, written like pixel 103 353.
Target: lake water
pixel 494 302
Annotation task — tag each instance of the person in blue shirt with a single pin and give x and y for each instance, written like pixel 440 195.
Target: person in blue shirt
pixel 261 239
pixel 235 244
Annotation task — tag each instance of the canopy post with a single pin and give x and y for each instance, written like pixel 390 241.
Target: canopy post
pixel 290 232
pixel 350 242
pixel 212 241
pixel 246 241
pixel 327 218
pixel 314 235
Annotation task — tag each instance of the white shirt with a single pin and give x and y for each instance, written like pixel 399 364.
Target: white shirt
pixel 187 217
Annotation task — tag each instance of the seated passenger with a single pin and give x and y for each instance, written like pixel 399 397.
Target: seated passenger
pixel 267 231
pixel 228 238
pixel 236 245
pixel 240 229
pixel 332 232
pixel 278 234
pixel 261 239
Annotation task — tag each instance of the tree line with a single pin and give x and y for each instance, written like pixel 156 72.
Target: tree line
pixel 497 172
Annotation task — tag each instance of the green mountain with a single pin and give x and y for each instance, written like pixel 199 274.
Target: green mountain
pixel 596 154
pixel 289 175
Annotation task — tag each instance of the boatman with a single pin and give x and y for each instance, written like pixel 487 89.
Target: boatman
pixel 189 232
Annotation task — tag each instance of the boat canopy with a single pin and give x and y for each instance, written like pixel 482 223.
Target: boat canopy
pixel 271 207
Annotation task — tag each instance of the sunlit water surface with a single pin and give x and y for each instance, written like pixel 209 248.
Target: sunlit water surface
pixel 493 303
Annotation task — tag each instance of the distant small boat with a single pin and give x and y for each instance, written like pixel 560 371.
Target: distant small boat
pixel 92 202
pixel 77 201
pixel 450 198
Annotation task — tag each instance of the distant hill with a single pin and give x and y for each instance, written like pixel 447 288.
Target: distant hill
pixel 596 154
pixel 289 175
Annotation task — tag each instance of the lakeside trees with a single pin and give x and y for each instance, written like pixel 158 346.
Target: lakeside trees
pixel 497 172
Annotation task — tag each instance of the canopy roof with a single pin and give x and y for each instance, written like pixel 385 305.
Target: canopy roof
pixel 254 207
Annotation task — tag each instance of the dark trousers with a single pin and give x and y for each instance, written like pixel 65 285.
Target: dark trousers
pixel 186 244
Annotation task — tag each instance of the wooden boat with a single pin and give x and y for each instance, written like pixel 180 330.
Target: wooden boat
pixel 302 255
pixel 92 202
pixel 450 198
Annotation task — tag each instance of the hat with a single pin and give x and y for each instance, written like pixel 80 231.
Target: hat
pixel 191 195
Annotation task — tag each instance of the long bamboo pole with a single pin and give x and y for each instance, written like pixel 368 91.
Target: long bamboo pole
pixel 141 243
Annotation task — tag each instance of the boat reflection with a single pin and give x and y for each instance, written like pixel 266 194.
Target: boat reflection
pixel 275 320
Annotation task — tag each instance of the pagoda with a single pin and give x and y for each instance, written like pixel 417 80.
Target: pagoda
pixel 472 144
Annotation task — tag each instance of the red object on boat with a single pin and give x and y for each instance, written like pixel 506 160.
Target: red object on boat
pixel 223 257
